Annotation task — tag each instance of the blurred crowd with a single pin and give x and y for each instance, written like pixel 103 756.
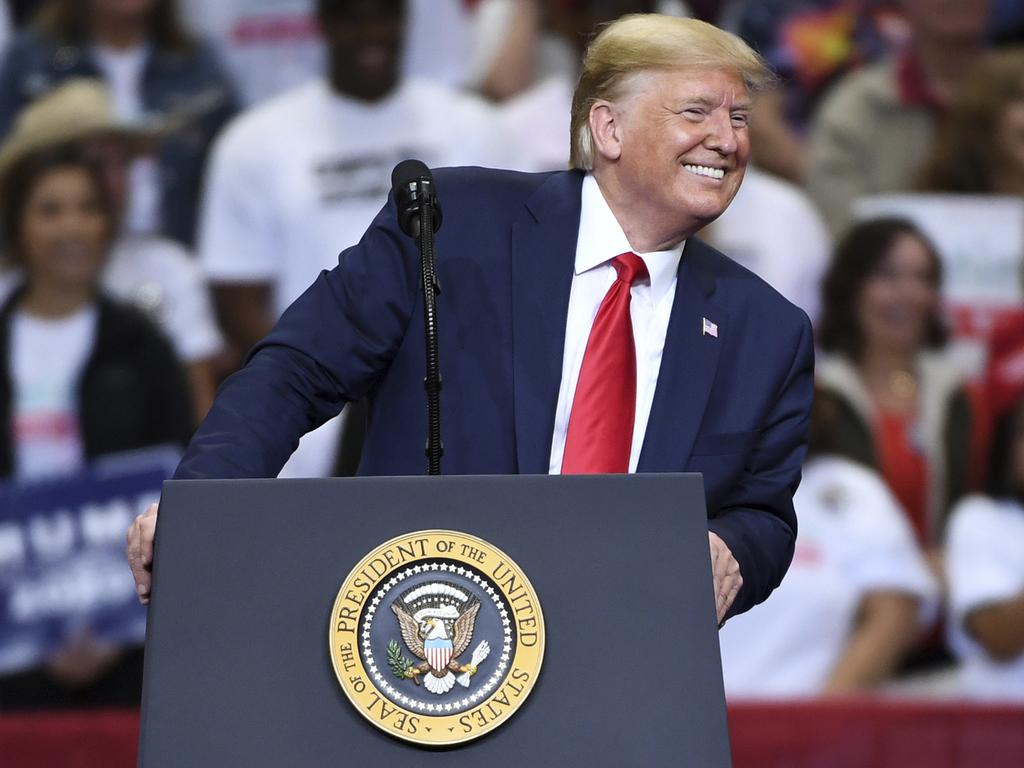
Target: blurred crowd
pixel 173 173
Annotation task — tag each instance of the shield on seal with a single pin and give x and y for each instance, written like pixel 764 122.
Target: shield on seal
pixel 439 653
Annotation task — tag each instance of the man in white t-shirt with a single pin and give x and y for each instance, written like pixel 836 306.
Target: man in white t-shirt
pixel 299 178
pixel 273 45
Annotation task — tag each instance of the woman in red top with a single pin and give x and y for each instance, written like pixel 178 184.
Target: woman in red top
pixel 904 410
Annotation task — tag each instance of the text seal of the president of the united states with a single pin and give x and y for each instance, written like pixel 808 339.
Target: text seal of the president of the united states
pixel 437 637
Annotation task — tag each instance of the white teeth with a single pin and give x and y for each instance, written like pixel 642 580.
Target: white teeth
pixel 703 170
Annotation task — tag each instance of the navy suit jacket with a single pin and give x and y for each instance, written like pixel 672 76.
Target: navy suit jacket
pixel 735 407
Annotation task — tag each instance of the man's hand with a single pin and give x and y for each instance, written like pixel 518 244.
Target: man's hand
pixel 726 573
pixel 140 551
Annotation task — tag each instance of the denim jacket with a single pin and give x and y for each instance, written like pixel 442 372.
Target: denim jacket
pixel 192 87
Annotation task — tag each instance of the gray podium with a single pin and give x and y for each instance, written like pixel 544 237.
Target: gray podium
pixel 238 666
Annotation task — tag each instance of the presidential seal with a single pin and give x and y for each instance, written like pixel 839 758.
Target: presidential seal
pixel 437 637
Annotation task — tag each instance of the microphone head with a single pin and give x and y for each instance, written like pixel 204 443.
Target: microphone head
pixel 408 171
pixel 411 184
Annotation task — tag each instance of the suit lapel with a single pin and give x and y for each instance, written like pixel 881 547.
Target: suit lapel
pixel 543 255
pixel 688 366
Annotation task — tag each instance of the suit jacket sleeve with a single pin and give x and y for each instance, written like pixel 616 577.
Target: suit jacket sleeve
pixel 756 520
pixel 329 348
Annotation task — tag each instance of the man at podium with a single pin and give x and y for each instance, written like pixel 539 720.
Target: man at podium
pixel 583 327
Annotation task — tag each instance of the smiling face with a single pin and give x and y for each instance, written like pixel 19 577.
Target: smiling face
pixel 899 300
pixel 64 230
pixel 675 156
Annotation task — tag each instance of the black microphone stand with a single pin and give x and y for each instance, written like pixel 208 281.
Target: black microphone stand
pixel 419 216
pixel 431 290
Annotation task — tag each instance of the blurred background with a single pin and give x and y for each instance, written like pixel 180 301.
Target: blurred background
pixel 173 173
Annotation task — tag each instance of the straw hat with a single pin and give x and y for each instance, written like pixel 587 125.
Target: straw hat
pixel 76 110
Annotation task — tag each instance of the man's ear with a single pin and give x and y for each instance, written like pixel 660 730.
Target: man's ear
pixel 606 130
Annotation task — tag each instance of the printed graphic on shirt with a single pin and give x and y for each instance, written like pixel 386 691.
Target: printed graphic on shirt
pixel 363 177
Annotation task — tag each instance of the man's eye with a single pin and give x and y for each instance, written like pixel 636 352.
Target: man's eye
pixel 694 113
pixel 741 120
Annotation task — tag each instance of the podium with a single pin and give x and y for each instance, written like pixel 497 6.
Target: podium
pixel 240 666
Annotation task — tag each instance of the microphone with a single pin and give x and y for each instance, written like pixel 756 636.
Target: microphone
pixel 413 185
pixel 419 214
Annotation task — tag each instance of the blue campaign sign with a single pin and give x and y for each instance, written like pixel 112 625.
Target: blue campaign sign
pixel 62 562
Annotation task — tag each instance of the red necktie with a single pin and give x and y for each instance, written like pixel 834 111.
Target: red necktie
pixel 600 433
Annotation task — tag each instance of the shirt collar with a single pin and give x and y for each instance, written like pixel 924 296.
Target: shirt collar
pixel 601 239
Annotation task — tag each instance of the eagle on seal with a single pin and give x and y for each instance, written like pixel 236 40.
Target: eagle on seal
pixel 437 634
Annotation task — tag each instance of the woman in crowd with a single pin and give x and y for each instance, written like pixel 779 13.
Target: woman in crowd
pixel 856 597
pixel 979 147
pixel 80 377
pixel 155 72
pixel 985 572
pixel 900 402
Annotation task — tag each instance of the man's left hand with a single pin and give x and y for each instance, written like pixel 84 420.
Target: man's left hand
pixel 726 574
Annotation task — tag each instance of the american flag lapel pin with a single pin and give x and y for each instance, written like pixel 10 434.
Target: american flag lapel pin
pixel 708 328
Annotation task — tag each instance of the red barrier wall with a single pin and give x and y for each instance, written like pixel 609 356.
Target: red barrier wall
pixel 876 734
pixel 842 734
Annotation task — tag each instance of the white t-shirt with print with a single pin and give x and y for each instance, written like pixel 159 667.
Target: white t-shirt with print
pixel 853 540
pixel 984 564
pixel 299 178
pixel 296 180
pixel 47 358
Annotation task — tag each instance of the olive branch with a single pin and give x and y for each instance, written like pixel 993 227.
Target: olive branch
pixel 399 664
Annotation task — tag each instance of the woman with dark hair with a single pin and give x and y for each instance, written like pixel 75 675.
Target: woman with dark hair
pixel 901 405
pixel 156 74
pixel 80 377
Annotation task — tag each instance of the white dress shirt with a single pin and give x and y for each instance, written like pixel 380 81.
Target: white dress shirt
pixel 600 240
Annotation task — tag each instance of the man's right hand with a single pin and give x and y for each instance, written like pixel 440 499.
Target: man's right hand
pixel 140 551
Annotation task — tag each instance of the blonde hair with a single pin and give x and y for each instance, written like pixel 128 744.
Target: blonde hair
pixel 644 42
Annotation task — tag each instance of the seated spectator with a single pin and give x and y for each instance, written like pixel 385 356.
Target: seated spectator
pixel 985 572
pixel 82 377
pixel 872 132
pixel 810 44
pixel 979 145
pixel 155 274
pixel 299 178
pixel 154 71
pixel 856 597
pixel 901 404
